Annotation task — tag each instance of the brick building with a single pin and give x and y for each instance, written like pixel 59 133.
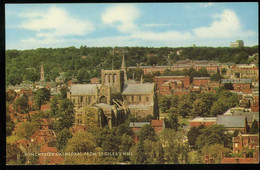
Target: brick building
pixel 233 122
pixel 206 121
pixel 238 84
pixel 159 80
pixel 201 81
pixel 245 140
pixel 245 71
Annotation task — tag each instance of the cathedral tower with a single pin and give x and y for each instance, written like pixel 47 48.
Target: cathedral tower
pixel 123 67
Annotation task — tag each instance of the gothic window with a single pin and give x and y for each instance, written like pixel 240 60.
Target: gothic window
pixel 132 98
pixel 106 78
pixel 103 99
pixel 114 77
pixel 140 98
pixel 111 78
pixel 147 98
pixel 81 99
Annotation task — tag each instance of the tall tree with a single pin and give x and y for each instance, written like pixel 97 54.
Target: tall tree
pixel 62 139
pixel 42 95
pixel 254 128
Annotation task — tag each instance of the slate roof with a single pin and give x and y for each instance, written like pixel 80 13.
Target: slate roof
pixel 235 81
pixel 231 121
pixel 251 116
pixel 138 89
pixel 83 89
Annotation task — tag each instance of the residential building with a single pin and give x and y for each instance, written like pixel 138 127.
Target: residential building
pixel 206 121
pixel 233 122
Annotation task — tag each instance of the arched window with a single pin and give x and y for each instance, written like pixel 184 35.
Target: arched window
pixel 106 78
pixel 111 78
pixel 114 78
pixel 103 99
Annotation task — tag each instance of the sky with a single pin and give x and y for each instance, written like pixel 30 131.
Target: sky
pixel 32 26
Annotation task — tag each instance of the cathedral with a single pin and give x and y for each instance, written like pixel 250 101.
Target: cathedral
pixel 115 96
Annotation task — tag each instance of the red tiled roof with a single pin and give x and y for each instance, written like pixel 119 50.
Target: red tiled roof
pixel 157 122
pixel 45 107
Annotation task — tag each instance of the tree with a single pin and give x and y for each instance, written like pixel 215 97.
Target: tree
pixel 54 107
pixel 192 135
pixel 138 156
pixel 83 142
pixel 216 77
pixel 21 105
pixel 215 151
pixel 42 95
pixel 184 108
pixel 215 134
pixel 62 138
pixel 147 132
pixel 254 128
pixel 175 150
pixel 202 72
pixel 127 142
pixel 228 86
pixel 26 129
pixel 172 123
pixel 65 116
pixel 164 103
pixel 199 108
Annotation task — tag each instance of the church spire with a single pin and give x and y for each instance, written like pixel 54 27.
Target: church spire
pixel 42 73
pixel 123 67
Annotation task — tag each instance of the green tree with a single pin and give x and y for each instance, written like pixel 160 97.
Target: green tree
pixel 192 135
pixel 42 95
pixel 173 122
pixel 21 104
pixel 62 138
pixel 138 156
pixel 65 116
pixel 215 151
pixel 216 77
pixel 175 150
pixel 54 107
pixel 199 108
pixel 228 86
pixel 164 103
pixel 26 129
pixel 254 128
pixel 184 108
pixel 215 134
pixel 147 133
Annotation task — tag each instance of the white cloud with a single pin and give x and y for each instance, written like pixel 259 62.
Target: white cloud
pixel 55 22
pixel 226 25
pixel 155 25
pixel 121 16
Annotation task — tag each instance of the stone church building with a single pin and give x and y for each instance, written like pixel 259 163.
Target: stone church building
pixel 115 93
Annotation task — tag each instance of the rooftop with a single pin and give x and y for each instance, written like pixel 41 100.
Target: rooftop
pixel 204 119
pixel 231 120
pixel 138 88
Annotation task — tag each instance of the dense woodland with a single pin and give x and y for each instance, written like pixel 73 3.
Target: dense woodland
pixel 25 64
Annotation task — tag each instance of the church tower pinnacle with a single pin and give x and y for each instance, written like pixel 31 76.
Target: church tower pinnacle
pixel 123 67
pixel 42 73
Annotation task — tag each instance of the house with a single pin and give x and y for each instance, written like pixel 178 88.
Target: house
pixel 44 137
pixel 206 121
pixel 158 125
pixel 233 122
pixel 159 80
pixel 94 80
pixel 245 140
pixel 45 107
pixel 200 81
pixel 136 127
pixel 250 141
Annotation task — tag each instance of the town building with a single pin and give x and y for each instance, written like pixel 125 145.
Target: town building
pixel 206 121
pixel 233 122
pixel 200 81
pixel 245 71
pixel 238 84
pixel 184 81
pixel 140 98
pixel 238 43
